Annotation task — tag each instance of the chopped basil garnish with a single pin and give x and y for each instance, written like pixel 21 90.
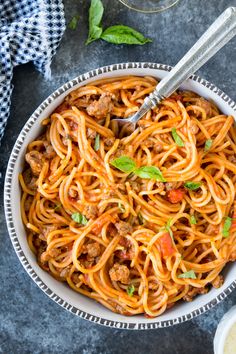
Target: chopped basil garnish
pixel 168 229
pixel 192 185
pixel 130 290
pixel 79 218
pixel 121 207
pixel 126 164
pixel 188 275
pixel 193 220
pixel 57 207
pixel 140 219
pixel 177 138
pixel 73 22
pixel 208 144
pixel 95 16
pixel 123 35
pixel 97 143
pixel 227 226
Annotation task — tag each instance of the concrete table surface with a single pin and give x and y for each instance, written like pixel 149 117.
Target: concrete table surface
pixel 29 321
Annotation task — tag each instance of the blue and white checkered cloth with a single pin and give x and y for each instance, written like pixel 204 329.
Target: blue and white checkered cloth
pixel 30 30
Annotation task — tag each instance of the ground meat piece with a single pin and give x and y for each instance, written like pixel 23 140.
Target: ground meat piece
pixel 65 272
pixel 45 231
pixel 91 134
pixel 90 211
pixel 149 143
pixel 136 187
pixel 172 185
pixel 73 193
pixel 119 272
pixel 100 108
pixel 28 203
pixel 193 292
pixel 29 180
pixel 201 102
pixel 35 160
pixel 218 281
pixel 45 256
pixel 49 153
pixel 73 125
pixel 92 249
pixel 232 159
pixel 123 228
pixel 158 148
pixel 194 127
pixel 109 141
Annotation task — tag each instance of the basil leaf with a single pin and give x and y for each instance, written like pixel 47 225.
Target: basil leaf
pixel 151 172
pixel 121 207
pixel 79 218
pixel 95 16
pixel 140 219
pixel 97 143
pixel 57 207
pixel 188 275
pixel 123 35
pixel 73 22
pixel 208 144
pixel 130 290
pixel 193 220
pixel 227 226
pixel 177 138
pixel 192 185
pixel 124 164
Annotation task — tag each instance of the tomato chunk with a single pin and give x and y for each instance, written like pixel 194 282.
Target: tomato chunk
pixel 175 195
pixel 166 244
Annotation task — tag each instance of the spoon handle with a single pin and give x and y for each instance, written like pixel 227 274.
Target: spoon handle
pixel 218 34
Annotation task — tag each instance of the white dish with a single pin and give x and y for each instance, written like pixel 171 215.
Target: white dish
pixel 59 292
pixel 223 329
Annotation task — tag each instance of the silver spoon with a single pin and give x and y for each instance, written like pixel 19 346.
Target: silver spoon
pixel 217 35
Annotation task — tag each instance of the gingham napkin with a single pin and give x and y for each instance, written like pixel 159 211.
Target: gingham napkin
pixel 30 30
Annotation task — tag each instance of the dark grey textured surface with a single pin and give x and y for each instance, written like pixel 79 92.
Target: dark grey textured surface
pixel 29 321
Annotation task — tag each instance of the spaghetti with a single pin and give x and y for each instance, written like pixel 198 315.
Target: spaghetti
pixel 136 223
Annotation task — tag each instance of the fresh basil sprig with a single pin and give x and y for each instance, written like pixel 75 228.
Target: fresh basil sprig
pixel 126 164
pixel 226 226
pixel 95 17
pixel 177 138
pixel 118 34
pixel 123 35
pixel 188 275
pixel 79 218
pixel 192 185
pixel 151 172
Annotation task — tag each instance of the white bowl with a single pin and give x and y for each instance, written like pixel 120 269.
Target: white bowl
pixel 223 329
pixel 60 292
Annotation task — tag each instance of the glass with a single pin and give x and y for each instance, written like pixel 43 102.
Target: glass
pixel 149 6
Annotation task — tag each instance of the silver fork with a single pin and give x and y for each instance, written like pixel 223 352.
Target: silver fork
pixel 217 35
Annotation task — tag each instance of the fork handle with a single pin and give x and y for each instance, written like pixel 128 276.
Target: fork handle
pixel 217 35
